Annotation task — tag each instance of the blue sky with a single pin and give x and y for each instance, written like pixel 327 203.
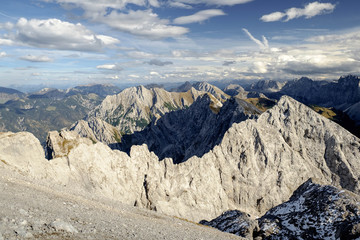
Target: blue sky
pixel 76 42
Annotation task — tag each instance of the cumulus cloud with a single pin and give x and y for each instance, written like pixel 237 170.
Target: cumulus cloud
pixel 3 54
pixel 57 34
pixel 33 58
pixel 143 23
pixel 310 10
pixel 264 44
pixel 158 62
pixel 113 67
pixel 199 16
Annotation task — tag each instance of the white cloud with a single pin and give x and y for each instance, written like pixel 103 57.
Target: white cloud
pixel 199 16
pixel 262 44
pixel 179 5
pixel 3 54
pixel 143 23
pixel 214 2
pixel 33 58
pixel 114 67
pixel 57 34
pixel 272 17
pixel 310 10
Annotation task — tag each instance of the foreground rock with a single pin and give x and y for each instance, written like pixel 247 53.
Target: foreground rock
pixel 257 165
pixel 234 222
pixel 314 211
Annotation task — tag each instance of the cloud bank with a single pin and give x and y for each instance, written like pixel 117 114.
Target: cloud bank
pixel 310 10
pixel 57 34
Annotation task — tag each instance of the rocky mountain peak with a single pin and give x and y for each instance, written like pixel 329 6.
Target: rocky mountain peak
pixel 191 132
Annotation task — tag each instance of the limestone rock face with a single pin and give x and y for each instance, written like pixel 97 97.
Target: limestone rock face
pixel 59 144
pixel 97 130
pixel 22 151
pixel 134 108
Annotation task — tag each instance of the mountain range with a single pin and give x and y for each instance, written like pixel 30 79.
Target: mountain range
pixel 197 154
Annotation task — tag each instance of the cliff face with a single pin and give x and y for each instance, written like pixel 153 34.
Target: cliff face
pixel 257 165
pixel 179 135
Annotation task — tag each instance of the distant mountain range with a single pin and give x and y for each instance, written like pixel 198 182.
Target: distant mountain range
pixel 49 109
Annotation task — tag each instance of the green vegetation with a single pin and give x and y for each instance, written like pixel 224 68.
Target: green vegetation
pixel 170 107
pixel 141 123
pixel 117 136
pixel 4 162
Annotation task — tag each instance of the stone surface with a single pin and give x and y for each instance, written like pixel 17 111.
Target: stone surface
pixel 59 144
pixel 313 212
pixel 97 130
pixel 234 222
pixel 60 225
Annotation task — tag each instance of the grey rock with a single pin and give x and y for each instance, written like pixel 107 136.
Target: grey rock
pixel 97 130
pixel 60 225
pixel 234 222
pixel 59 144
pixel 314 211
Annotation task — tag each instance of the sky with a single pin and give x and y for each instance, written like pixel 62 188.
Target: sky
pixel 78 42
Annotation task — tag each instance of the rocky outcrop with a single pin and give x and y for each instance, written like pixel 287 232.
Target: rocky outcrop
pixel 97 130
pixel 257 165
pixel 234 222
pixel 21 151
pixel 179 135
pixel 314 211
pixel 59 144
